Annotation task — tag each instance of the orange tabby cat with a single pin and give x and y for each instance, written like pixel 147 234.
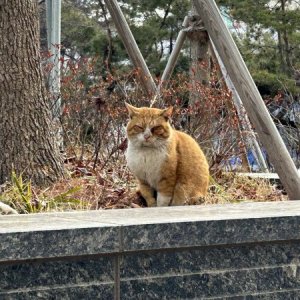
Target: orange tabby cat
pixel 163 159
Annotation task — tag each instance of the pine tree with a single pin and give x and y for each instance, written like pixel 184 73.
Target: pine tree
pixel 270 46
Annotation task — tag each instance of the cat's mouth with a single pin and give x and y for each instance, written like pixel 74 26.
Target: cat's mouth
pixel 148 144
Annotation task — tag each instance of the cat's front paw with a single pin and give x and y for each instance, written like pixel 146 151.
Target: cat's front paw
pixel 151 202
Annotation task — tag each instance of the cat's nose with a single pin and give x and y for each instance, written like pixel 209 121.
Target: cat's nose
pixel 147 136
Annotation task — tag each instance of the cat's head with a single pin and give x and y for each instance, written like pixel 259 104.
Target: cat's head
pixel 148 127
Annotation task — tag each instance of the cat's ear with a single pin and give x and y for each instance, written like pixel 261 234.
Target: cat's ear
pixel 167 113
pixel 131 110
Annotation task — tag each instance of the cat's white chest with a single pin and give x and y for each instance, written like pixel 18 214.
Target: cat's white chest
pixel 145 163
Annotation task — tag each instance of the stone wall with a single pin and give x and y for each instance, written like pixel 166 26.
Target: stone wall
pixel 240 251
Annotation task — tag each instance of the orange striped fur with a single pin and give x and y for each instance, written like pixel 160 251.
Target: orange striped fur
pixel 163 159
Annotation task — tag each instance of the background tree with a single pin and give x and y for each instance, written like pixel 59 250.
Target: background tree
pixel 81 34
pixel 155 26
pixel 270 43
pixel 27 142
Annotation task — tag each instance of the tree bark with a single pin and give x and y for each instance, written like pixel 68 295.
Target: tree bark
pixel 200 66
pixel 27 140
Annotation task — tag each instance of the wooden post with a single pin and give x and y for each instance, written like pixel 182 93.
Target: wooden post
pixel 199 42
pixel 131 46
pixel 173 57
pixel 246 88
pixel 243 117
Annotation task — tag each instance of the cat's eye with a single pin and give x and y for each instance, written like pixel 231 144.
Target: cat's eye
pixel 138 128
pixel 157 129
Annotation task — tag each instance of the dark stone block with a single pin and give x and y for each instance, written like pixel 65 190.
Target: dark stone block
pixel 43 244
pixel 31 275
pixel 281 295
pixel 278 295
pixel 210 284
pixel 92 292
pixel 245 251
pixel 202 233
pixel 208 259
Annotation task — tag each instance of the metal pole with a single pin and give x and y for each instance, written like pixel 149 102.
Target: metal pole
pixel 53 33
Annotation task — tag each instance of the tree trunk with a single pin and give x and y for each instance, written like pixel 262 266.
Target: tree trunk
pixel 200 70
pixel 285 37
pixel 200 65
pixel 27 143
pixel 107 57
pixel 280 50
pixel 287 51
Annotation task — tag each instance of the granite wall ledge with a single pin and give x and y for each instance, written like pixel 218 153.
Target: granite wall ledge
pixel 234 251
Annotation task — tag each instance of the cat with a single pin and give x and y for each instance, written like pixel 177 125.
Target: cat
pixel 166 162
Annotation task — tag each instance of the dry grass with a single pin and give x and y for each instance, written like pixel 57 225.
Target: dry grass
pixel 114 187
pixel 231 188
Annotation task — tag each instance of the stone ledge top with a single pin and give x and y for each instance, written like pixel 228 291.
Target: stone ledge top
pixel 144 216
pixel 111 231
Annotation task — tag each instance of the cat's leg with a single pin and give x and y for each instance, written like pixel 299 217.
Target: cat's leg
pixel 165 193
pixel 148 193
pixel 181 195
pixel 163 200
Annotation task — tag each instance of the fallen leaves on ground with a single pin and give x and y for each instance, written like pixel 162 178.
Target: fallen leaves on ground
pixel 111 186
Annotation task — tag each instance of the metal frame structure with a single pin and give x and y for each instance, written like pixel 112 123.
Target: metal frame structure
pixel 53 12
